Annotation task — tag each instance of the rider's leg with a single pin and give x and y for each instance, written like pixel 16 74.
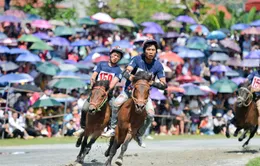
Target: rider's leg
pixel 150 113
pixel 115 104
pixel 82 119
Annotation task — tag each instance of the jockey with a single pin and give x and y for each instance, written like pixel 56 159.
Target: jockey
pixel 104 71
pixel 145 62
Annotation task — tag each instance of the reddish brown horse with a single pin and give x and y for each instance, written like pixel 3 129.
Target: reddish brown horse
pixel 246 116
pixel 131 117
pixel 97 118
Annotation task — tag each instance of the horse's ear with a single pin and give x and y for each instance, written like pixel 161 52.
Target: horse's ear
pixel 150 76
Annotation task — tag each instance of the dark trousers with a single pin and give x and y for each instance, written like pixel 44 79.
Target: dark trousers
pixel 33 132
pixel 17 133
pixel 7 5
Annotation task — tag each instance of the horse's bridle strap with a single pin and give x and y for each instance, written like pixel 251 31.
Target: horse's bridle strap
pixel 136 101
pixel 96 104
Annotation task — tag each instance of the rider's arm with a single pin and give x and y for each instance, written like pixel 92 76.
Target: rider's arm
pixel 127 73
pixel 93 78
pixel 113 83
pixel 160 85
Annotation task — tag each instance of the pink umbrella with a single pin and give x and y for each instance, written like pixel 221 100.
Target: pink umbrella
pixel 102 17
pixel 252 31
pixel 41 24
pixel 101 58
pixel 228 43
pixel 16 13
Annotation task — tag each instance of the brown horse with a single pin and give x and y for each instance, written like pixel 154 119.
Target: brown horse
pixel 246 116
pixel 131 117
pixel 97 118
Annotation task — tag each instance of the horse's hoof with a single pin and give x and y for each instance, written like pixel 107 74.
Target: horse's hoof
pixel 106 154
pixel 235 134
pixel 245 144
pixel 107 164
pixel 78 144
pixel 119 162
pixel 227 135
pixel 79 160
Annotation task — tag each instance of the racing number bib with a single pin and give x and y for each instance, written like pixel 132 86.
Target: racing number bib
pixel 106 76
pixel 256 84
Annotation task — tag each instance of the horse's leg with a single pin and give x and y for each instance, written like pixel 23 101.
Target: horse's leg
pixel 252 134
pixel 110 145
pixel 78 143
pixel 128 138
pixel 243 136
pixel 227 130
pixel 237 131
pixel 80 158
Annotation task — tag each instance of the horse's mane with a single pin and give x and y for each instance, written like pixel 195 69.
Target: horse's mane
pixel 142 75
pixel 104 83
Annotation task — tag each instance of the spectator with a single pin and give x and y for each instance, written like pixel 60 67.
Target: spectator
pixel 206 126
pixel 219 124
pixel 15 128
pixel 71 127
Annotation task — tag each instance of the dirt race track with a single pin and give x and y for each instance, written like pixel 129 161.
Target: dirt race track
pixel 216 152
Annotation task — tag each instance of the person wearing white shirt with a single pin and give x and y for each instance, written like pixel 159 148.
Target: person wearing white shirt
pixel 81 101
pixel 15 127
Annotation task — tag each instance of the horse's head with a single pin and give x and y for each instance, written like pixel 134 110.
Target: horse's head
pixel 98 95
pixel 141 90
pixel 244 98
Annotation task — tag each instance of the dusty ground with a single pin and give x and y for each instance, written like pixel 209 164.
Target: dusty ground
pixel 222 152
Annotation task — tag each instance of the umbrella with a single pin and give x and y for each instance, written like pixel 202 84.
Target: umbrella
pixel 228 43
pixel 232 73
pixel 41 35
pixel 224 86
pixel 18 51
pixel 187 78
pixel 174 24
pixel 101 58
pixel 178 49
pixel 162 16
pixel 191 54
pixel 49 102
pixel 186 19
pixel 192 90
pixel 251 31
pixel 250 62
pixel 29 38
pixel 171 57
pixel 32 17
pixel 255 23
pixel 217 49
pixel 100 50
pixel 253 55
pixel 60 97
pixel 68 67
pixel 216 35
pixel 123 44
pixel 56 22
pixel 85 65
pixel 4 49
pixel 238 80
pixel 109 26
pixel 59 41
pixel 219 57
pixel 199 28
pixel 225 30
pixel 239 26
pixel 71 74
pixel 48 68
pixel 16 78
pixel 233 62
pixel 124 22
pixel 69 83
pixel 150 24
pixel 124 61
pixel 17 13
pixel 41 24
pixel 155 94
pixel 153 30
pixel 64 31
pixel 207 89
pixel 40 46
pixel 166 69
pixel 9 41
pixel 175 89
pixel 9 19
pixel 2 36
pixel 198 43
pixel 8 66
pixel 87 21
pixel 82 43
pixel 28 57
pixel 103 17
pixel 27 88
pixel 171 35
pixel 220 68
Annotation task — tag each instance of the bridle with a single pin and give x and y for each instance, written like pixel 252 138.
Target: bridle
pixel 136 101
pixel 96 104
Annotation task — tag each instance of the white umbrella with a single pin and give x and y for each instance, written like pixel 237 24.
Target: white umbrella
pixel 166 68
pixel 102 17
pixel 68 67
pixel 124 22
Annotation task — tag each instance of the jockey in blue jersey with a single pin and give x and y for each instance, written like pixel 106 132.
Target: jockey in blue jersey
pixel 145 62
pixel 104 71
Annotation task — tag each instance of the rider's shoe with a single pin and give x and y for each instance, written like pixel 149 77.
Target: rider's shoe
pixel 139 141
pixel 109 133
pixel 78 133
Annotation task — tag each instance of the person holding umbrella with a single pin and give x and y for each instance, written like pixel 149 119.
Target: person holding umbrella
pixel 104 71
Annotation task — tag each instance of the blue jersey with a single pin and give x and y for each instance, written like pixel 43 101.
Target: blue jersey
pixel 139 64
pixel 106 72
pixel 255 74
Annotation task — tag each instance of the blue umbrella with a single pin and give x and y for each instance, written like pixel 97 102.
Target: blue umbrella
pixel 100 50
pixel 2 36
pixel 150 24
pixel 82 43
pixel 253 55
pixel 197 27
pixel 16 78
pixel 198 43
pixel 255 23
pixel 9 19
pixel 122 44
pixel 192 90
pixel 153 30
pixel 191 54
pixel 109 26
pixel 239 26
pixel 59 41
pixel 155 94
pixel 8 66
pixel 186 19
pixel 18 51
pixel 85 65
pixel 220 68
pixel 33 17
pixel 219 57
pixel 216 35
pixel 71 74
pixel 180 49
pixel 42 35
pixel 68 61
pixel 28 57
pixel 4 49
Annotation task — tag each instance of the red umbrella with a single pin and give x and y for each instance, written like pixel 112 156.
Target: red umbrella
pixel 171 57
pixel 175 89
pixel 101 58
pixel 187 78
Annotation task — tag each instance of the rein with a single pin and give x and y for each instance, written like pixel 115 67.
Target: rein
pixel 249 96
pixel 136 101
pixel 96 104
